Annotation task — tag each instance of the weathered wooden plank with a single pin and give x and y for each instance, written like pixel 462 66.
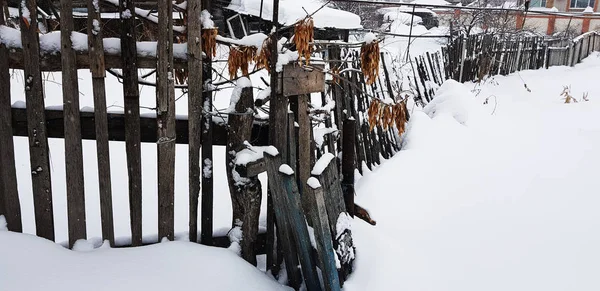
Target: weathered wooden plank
pixel 283 222
pixel 334 202
pixel 207 155
pixel 9 196
pixel 165 101
pixel 348 164
pixel 304 151
pixel 116 127
pixel 298 80
pixel 320 224
pixel 194 110
pixel 38 139
pixel 73 146
pixel 300 232
pixel 96 47
pixel 132 119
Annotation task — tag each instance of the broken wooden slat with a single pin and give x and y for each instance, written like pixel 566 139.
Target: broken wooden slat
pixel 336 209
pixel 38 139
pixel 165 101
pixel 320 224
pixel 9 196
pixel 194 110
pixel 132 119
pixel 73 146
pixel 299 231
pixel 283 224
pixel 96 47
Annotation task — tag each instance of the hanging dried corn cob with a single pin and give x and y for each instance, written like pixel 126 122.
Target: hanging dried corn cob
pixel 369 61
pixel 209 41
pixel 239 59
pixel 264 56
pixel 387 116
pixel 303 37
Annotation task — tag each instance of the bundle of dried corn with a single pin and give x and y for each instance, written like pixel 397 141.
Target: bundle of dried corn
pixel 263 59
pixel 209 41
pixel 369 61
pixel 304 35
pixel 239 59
pixel 387 116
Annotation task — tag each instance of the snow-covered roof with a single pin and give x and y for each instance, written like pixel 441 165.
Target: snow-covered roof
pixel 405 9
pixel 431 2
pixel 291 11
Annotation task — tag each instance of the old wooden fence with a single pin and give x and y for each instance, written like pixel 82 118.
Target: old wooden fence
pixel 328 164
pixel 475 57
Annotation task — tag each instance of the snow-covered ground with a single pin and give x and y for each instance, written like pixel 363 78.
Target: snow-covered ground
pixel 30 263
pixel 501 196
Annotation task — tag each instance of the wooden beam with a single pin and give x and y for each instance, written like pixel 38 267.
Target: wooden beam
pixel 116 127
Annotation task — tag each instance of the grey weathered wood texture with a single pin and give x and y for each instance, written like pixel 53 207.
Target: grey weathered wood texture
pixel 194 110
pixel 9 196
pixel 73 146
pixel 132 120
pixel 165 117
pixel 285 240
pixel 320 224
pixel 299 231
pixel 298 80
pixel 245 194
pixel 38 140
pixel 97 67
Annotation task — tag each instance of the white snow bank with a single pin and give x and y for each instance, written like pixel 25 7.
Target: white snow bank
pixel 507 204
pixel 31 263
pixel 291 11
pixel 456 100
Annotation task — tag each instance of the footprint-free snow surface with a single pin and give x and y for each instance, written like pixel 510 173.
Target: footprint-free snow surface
pixel 497 196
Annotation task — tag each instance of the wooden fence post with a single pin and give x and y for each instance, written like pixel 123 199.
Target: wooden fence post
pixel 9 196
pixel 36 122
pixel 96 54
pixel 73 146
pixel 195 87
pixel 165 104
pixel 132 119
pixel 206 232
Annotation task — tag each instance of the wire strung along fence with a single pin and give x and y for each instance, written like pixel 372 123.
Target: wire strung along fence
pixel 360 130
pixel 475 57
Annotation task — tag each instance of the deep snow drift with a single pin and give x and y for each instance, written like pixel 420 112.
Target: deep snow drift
pixel 476 201
pixel 31 263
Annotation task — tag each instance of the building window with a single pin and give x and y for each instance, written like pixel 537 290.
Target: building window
pixel 582 3
pixel 537 3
